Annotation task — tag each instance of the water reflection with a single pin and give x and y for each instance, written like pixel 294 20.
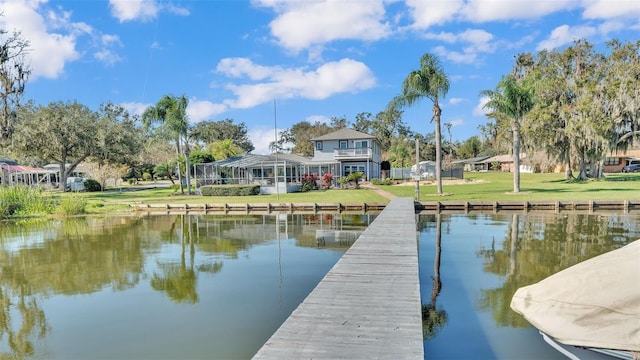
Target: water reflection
pixel 486 257
pixel 433 316
pixel 49 262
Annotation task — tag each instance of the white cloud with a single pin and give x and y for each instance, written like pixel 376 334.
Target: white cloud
pixel 106 54
pixel 261 137
pixel 475 41
pixel 436 12
pixel 607 9
pixel 239 67
pixel 565 34
pixel 199 110
pixel 454 101
pixel 48 52
pixel 447 37
pixel 302 25
pixel 480 11
pixel 127 10
pixel 466 57
pixel 135 108
pixel 479 110
pixel 331 78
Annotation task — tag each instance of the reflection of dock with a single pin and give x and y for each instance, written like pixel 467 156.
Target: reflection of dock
pixel 336 238
pixel 264 208
pixel 368 305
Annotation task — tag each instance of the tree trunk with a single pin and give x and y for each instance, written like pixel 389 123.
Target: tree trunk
pixel 437 284
pixel 187 163
pixel 62 185
pixel 179 170
pixel 516 155
pixel 436 118
pixel 568 175
pixel 514 245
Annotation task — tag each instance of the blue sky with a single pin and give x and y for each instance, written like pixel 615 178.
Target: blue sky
pixel 316 58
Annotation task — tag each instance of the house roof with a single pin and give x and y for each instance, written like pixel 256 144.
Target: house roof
pixel 7 162
pixel 474 160
pixel 23 169
pixel 502 158
pixel 344 134
pixel 251 160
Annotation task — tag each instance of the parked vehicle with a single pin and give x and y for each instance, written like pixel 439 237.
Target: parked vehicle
pixel 75 183
pixel 631 168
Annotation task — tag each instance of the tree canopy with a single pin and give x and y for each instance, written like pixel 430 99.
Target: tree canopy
pixel 14 73
pixel 208 132
pixel 70 133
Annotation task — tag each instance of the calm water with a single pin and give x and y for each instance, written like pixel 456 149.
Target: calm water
pixel 159 287
pixel 484 258
pixel 176 287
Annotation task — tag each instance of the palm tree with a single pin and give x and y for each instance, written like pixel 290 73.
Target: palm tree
pixel 224 149
pixel 514 99
pixel 431 82
pixel 171 112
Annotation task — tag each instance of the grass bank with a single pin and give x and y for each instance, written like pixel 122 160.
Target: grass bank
pixel 498 186
pixel 487 186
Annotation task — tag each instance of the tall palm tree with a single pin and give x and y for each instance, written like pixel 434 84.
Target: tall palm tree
pixel 514 99
pixel 171 112
pixel 430 82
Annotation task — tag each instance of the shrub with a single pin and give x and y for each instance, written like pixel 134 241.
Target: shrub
pixel 91 185
pixel 23 200
pixel 73 204
pixel 230 190
pixel 376 181
pixel 146 176
pixel 326 180
pixel 308 182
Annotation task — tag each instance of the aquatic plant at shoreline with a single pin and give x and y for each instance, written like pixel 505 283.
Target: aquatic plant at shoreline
pixel 72 205
pixel 23 201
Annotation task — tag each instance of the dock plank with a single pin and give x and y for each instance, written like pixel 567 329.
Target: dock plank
pixel 368 305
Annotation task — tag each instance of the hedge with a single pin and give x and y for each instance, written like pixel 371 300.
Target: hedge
pixel 230 190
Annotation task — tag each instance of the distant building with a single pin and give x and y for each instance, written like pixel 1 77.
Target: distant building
pixel 615 161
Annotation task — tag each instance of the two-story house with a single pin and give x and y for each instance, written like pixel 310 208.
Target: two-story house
pixel 352 151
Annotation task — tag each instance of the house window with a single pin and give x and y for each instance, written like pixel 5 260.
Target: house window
pixel 362 144
pixel 343 144
pixel 612 161
pixel 319 145
pixel 348 169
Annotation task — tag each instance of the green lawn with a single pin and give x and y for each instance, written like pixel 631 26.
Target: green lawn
pixel 487 186
pixel 498 186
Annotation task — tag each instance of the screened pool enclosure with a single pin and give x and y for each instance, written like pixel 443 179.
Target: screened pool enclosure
pixel 281 173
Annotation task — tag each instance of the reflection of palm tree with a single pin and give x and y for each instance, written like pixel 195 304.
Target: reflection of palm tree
pixel 179 282
pixel 434 318
pixel 34 324
pixel 498 300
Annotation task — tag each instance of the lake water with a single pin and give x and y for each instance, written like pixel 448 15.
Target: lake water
pixel 217 287
pixel 159 287
pixel 484 258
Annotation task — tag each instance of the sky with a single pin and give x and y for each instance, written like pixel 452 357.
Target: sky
pixel 274 63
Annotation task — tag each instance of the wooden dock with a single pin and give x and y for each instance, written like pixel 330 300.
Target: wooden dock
pixel 590 206
pixel 368 305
